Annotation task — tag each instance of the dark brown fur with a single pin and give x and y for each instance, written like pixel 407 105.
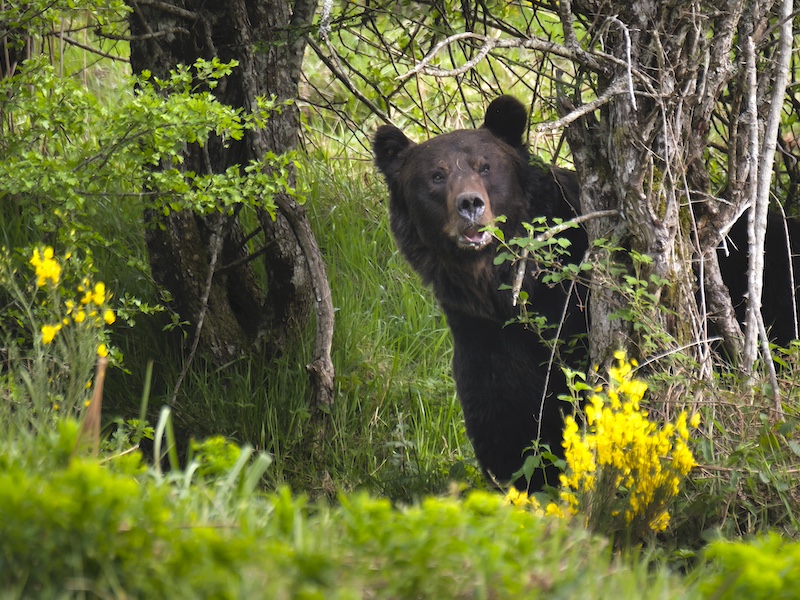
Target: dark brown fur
pixel 442 192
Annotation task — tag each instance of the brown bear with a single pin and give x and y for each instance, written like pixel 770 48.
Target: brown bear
pixel 443 192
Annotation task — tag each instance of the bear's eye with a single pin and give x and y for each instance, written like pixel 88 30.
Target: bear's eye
pixel 484 170
pixel 438 177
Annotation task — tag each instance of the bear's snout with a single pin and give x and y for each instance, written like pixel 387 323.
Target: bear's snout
pixel 470 206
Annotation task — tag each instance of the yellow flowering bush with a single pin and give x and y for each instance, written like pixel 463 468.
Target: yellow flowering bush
pixel 89 312
pixel 623 469
pixel 55 325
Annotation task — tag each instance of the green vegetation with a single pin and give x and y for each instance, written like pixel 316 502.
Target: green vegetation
pixel 78 526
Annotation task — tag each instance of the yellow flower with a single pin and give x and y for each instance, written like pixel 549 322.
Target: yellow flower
pixel 634 389
pixel 515 497
pixel 49 332
pixel 102 350
pixel 79 316
pixel 660 522
pixel 99 295
pixel 694 422
pixel 621 451
pixel 46 267
pixel 109 317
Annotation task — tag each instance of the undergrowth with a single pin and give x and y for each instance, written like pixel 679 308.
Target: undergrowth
pixel 77 526
pixel 395 427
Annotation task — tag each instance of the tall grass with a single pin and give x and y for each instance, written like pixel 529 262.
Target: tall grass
pixel 395 427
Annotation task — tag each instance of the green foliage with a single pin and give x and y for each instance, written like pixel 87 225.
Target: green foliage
pixel 71 526
pixel 66 151
pixel 548 250
pixel 77 525
pixel 767 567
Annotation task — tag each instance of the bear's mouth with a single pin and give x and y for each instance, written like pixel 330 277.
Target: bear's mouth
pixel 473 238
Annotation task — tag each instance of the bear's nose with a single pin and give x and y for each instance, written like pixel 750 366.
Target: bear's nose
pixel 470 205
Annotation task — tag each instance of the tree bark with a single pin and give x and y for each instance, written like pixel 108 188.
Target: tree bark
pixel 267 39
pixel 644 153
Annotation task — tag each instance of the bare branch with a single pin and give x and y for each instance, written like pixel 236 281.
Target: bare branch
pixel 595 61
pixel 170 9
pixel 92 49
pixel 215 247
pixel 617 87
pixel 333 64
pixel 131 38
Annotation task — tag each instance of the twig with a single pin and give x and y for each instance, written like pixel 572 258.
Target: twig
pixel 143 36
pixel 551 361
pixel 777 406
pixel 616 87
pixel 90 429
pixel 790 266
pixel 546 235
pixel 671 351
pixel 627 36
pixel 594 60
pixel 215 247
pixel 89 48
pixel 244 260
pixel 170 9
pixel 332 62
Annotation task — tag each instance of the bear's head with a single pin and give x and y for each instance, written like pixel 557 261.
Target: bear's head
pixel 444 191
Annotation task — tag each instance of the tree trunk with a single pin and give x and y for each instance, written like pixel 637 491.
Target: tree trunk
pixel 644 154
pixel 204 261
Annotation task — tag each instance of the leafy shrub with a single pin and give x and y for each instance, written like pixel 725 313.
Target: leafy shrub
pixel 767 567
pixel 622 469
pixel 77 526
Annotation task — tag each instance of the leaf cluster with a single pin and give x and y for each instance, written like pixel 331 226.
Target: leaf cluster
pixel 67 153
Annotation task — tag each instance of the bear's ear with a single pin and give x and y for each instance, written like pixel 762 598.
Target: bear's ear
pixel 387 145
pixel 507 118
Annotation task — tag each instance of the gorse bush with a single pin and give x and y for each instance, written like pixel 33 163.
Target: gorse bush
pixel 54 327
pixel 623 469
